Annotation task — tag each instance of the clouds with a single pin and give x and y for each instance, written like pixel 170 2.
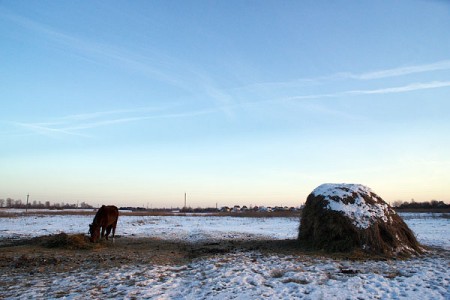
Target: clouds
pixel 151 62
pixel 78 124
pixel 203 92
pixel 339 77
pixel 399 71
pixel 403 89
pixel 154 65
pixel 374 82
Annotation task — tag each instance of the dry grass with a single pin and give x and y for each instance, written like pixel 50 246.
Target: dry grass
pixel 277 273
pixel 67 241
pixel 6 214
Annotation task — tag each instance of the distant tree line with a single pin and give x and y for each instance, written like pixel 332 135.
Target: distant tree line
pixel 235 208
pixel 143 209
pixel 422 205
pixel 12 203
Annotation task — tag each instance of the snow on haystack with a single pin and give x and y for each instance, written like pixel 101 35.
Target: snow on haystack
pixel 346 217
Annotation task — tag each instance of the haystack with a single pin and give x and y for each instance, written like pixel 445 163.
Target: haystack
pixel 66 241
pixel 347 217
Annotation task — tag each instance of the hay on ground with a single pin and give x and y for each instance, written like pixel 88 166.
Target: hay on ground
pixel 66 241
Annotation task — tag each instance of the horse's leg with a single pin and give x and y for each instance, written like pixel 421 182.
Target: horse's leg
pixel 108 230
pixel 114 229
pixel 103 232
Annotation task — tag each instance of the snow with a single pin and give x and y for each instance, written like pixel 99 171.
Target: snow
pixel 341 190
pixel 363 215
pixel 252 276
pixel 236 275
pixel 190 228
pixel 432 229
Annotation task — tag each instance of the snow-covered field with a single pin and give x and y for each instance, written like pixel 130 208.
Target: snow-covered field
pixel 237 275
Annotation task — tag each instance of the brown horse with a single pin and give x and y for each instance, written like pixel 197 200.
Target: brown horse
pixel 106 219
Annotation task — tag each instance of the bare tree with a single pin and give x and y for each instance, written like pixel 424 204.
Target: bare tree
pixel 397 203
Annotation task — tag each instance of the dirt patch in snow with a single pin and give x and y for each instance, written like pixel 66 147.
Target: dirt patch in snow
pixel 56 254
pixel 64 253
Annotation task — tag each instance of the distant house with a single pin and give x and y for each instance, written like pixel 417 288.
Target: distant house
pixel 265 209
pixel 225 209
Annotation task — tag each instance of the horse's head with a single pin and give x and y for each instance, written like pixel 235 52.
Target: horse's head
pixel 94 231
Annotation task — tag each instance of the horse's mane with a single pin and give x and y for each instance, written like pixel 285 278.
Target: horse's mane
pixel 98 215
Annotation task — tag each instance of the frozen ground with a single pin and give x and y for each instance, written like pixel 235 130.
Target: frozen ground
pixel 192 228
pixel 237 275
pixel 431 229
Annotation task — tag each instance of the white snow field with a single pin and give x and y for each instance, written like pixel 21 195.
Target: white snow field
pixel 236 275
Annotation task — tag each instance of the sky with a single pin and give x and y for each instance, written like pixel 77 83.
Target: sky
pixel 136 103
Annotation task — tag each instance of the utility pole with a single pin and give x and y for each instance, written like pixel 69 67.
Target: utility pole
pixel 185 200
pixel 26 208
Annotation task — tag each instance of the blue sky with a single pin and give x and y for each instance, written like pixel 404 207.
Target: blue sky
pixel 233 102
